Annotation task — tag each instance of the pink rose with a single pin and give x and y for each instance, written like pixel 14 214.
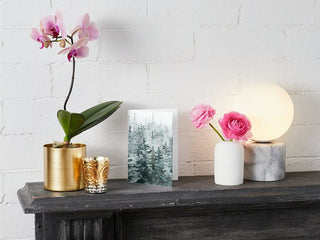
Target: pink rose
pixel 201 115
pixel 235 126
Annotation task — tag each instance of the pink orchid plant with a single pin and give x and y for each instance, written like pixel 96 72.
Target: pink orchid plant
pixel 234 125
pixel 52 30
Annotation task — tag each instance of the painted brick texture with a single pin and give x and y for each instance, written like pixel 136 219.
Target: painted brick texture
pixel 151 54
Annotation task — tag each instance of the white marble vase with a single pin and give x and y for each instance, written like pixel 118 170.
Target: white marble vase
pixel 228 163
pixel 264 161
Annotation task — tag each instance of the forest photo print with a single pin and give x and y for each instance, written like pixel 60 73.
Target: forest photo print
pixel 150 147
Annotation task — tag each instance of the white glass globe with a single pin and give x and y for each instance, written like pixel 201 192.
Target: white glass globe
pixel 269 108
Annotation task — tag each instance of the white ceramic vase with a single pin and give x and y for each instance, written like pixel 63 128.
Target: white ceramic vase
pixel 228 163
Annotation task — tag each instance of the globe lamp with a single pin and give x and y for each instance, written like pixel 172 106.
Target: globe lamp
pixel 270 110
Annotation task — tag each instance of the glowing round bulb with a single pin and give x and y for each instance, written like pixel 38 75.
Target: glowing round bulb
pixel 269 108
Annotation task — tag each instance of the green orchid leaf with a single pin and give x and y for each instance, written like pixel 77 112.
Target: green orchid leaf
pixel 96 115
pixel 93 110
pixel 70 122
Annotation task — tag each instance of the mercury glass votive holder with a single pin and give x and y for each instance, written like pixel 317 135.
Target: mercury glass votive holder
pixel 95 174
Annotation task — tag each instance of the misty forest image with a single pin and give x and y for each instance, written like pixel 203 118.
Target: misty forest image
pixel 150 147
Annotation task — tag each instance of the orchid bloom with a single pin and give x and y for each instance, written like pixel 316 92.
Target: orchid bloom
pixel 78 49
pixel 53 25
pixel 86 28
pixel 41 37
pixel 52 30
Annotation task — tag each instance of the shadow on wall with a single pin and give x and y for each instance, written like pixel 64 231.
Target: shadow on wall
pixel 119 42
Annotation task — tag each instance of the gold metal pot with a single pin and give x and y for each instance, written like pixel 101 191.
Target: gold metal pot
pixel 63 167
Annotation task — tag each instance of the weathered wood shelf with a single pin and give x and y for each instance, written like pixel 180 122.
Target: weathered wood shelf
pixel 194 208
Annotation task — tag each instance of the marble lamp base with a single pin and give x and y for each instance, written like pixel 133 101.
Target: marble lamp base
pixel 264 161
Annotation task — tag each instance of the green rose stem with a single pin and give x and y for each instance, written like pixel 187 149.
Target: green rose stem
pixel 217 132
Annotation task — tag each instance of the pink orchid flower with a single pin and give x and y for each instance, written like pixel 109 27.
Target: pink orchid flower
pixel 86 28
pixel 78 49
pixel 41 37
pixel 53 25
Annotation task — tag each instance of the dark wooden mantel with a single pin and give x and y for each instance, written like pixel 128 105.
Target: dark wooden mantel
pixel 194 208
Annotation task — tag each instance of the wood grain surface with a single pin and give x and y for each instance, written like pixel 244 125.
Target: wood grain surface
pixel 194 208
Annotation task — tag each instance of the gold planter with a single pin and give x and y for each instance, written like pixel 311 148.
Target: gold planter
pixel 63 167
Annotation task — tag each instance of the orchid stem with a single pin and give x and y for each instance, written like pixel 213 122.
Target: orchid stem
pixel 72 80
pixel 217 132
pixel 75 32
pixel 67 41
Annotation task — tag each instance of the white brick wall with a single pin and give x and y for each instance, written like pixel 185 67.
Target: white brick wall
pixel 151 54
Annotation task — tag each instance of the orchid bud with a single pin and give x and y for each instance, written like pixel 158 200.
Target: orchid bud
pixel 46 44
pixel 62 43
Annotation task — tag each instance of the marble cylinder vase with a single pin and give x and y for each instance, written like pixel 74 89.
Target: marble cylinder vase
pixel 264 161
